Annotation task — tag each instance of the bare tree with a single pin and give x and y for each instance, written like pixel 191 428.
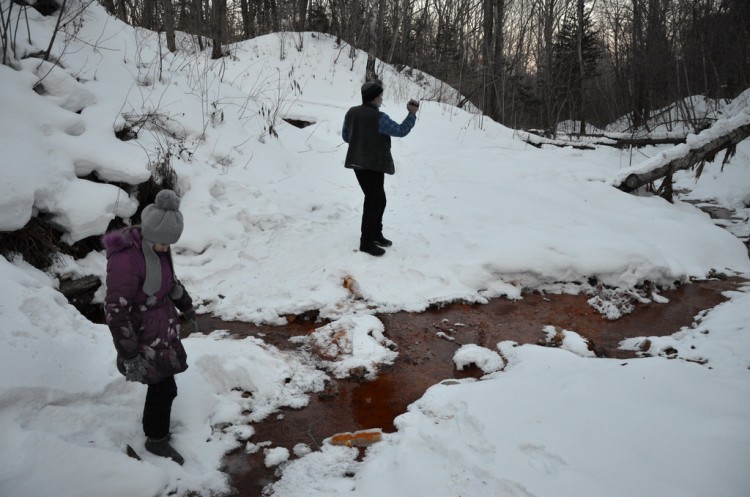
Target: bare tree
pixel 247 7
pixel 494 16
pixel 580 28
pixel 301 21
pixel 218 27
pixel 549 15
pixel 169 24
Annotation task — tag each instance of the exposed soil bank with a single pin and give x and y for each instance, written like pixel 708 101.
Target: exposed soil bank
pixel 425 359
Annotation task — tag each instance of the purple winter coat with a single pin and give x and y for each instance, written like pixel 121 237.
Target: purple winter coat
pixel 137 329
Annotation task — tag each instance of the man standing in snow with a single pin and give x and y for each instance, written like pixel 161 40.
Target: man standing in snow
pixel 368 133
pixel 141 305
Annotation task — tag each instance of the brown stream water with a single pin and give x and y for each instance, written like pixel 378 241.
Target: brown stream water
pixel 425 359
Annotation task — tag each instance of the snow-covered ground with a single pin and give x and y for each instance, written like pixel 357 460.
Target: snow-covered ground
pixel 272 226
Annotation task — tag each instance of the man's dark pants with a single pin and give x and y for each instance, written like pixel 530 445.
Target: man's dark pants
pixel 371 183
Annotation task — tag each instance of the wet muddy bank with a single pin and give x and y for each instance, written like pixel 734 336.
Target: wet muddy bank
pixel 427 342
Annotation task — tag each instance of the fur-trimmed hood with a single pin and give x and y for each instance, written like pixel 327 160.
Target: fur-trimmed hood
pixel 116 241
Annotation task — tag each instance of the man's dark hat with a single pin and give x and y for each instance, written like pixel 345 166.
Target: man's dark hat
pixel 370 90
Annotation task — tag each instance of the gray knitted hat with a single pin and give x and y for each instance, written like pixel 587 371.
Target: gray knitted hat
pixel 161 222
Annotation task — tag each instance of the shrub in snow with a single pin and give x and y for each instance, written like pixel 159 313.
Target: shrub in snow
pixel 612 303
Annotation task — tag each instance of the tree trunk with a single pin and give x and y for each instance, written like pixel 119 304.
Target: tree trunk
pixel 498 68
pixel 274 13
pixel 487 34
pixel 379 47
pixel 638 64
pixel 218 24
pixel 122 10
pixel 406 23
pixel 494 16
pixel 301 14
pixel 394 35
pixel 198 21
pixel 548 26
pixel 150 16
pixel 169 24
pixel 181 23
pixel 581 70
pixel 247 9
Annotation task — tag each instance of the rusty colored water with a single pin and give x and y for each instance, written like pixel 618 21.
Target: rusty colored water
pixel 425 359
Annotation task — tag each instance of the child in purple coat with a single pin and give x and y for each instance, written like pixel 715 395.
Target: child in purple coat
pixel 143 296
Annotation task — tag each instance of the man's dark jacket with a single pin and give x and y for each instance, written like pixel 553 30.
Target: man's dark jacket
pixel 368 148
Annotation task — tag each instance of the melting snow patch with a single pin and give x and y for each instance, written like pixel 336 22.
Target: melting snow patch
pixel 276 456
pixel 487 360
pixel 568 340
pixel 301 449
pixel 351 345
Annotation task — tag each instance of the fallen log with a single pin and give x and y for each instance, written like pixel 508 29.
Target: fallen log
pixel 617 140
pixel 643 142
pixel 537 141
pixel 81 288
pixel 723 135
pixel 80 293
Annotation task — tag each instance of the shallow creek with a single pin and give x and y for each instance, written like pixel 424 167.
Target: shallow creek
pixel 425 358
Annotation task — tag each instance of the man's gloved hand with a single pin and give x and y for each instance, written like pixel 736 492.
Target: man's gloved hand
pixel 135 368
pixel 192 323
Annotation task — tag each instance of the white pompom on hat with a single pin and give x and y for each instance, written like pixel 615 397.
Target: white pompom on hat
pixel 161 222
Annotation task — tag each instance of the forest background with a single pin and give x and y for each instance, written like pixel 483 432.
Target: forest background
pixel 525 63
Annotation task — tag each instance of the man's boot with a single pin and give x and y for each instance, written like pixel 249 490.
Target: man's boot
pixel 371 248
pixel 382 241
